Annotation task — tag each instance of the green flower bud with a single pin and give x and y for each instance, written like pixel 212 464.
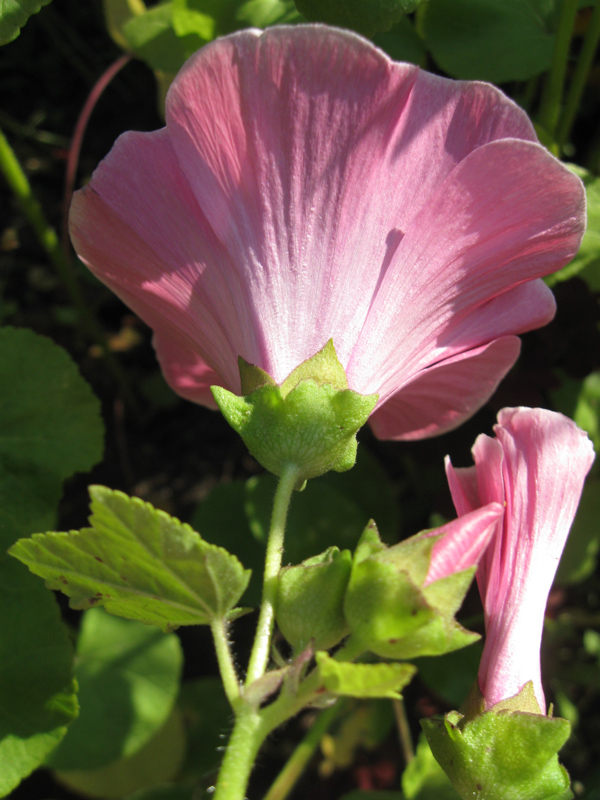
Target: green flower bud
pixel 310 600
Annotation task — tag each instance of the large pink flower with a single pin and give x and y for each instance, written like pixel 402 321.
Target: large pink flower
pixel 535 467
pixel 306 188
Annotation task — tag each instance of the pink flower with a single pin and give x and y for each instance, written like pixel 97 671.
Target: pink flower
pixel 306 188
pixel 535 467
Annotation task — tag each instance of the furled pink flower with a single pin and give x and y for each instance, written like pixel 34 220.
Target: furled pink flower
pixel 307 188
pixel 535 467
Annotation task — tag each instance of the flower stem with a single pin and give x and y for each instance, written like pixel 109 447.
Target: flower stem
pixel 555 80
pixel 248 735
pixel 227 669
pixel 584 63
pixel 297 762
pixel 403 731
pixel 262 641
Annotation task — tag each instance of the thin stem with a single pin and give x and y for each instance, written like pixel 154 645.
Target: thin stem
pixel 582 69
pixel 404 736
pixel 78 134
pixel 553 88
pixel 262 641
pixel 296 764
pixel 46 235
pixel 229 675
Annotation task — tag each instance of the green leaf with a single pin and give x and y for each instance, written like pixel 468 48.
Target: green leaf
pixel 128 675
pixel 505 755
pixel 37 694
pixel 50 427
pixel 363 680
pixel 139 563
pixel 166 792
pixel 263 13
pixel 423 778
pixel 156 762
pixel 402 43
pixel 491 40
pixel 14 14
pixel 152 37
pixel 587 261
pixel 116 14
pixel 366 18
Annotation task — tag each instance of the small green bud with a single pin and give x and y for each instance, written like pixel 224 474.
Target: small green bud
pixel 310 600
pixel 388 608
pixel 310 420
pixel 502 754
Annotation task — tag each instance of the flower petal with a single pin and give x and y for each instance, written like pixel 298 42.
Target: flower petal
pixel 545 460
pixel 508 213
pixel 138 227
pixel 442 397
pixel 290 141
pixel 464 542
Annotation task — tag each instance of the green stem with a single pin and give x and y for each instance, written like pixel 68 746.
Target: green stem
pixel 249 733
pixel 262 641
pixel 48 239
pixel 406 743
pixel 553 88
pixel 582 69
pixel 229 676
pixel 296 764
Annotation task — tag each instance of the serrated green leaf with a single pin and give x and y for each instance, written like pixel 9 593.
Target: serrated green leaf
pixel 366 18
pixel 156 762
pixel 128 676
pixel 139 563
pixel 14 14
pixel 587 261
pixel 37 696
pixel 491 40
pixel 263 13
pixel 363 680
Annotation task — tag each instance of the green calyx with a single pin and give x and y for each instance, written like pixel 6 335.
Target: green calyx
pixel 310 600
pixel 310 420
pixel 391 612
pixel 503 753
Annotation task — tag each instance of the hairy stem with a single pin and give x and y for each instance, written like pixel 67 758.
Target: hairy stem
pixel 227 669
pixel 262 641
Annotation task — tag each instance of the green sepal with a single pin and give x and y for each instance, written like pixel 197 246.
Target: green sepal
pixel 139 563
pixel 502 754
pixel 310 600
pixel 388 609
pixel 363 680
pixel 310 420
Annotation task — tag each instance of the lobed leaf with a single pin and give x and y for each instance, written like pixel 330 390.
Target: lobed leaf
pixel 139 563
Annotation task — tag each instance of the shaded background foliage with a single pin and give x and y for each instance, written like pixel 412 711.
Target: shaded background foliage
pixel 186 460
